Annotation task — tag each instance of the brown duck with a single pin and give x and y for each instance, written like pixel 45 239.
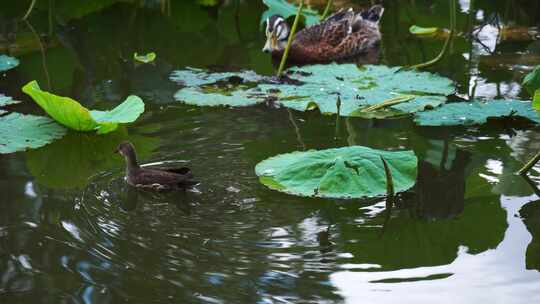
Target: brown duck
pixel 156 179
pixel 343 35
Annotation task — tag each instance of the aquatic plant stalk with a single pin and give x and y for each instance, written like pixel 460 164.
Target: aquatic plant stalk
pixel 446 42
pixel 30 8
pixel 291 37
pixel 390 193
pixel 529 164
pixel 327 9
pixel 389 102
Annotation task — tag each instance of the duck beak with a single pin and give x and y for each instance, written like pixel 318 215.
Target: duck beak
pixel 271 43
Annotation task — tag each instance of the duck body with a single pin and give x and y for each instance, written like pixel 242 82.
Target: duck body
pixel 343 35
pixel 154 179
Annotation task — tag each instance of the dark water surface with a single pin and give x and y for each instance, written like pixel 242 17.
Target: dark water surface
pixel 71 231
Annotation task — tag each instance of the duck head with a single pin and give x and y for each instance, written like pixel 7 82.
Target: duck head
pixel 277 34
pixel 127 150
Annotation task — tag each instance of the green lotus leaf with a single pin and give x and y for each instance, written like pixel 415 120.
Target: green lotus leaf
pixel 19 132
pixel 475 113
pixel 150 57
pixel 7 63
pixel 360 88
pixel 72 114
pixel 418 30
pixel 531 82
pixel 238 98
pixel 286 9
pixel 318 86
pixel 198 77
pixel 348 172
pixel 536 101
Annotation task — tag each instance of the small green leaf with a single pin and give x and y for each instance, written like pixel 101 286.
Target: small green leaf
pixel 286 9
pixel 531 82
pixel 536 101
pixel 19 132
pixel 348 172
pixel 150 57
pixel 417 30
pixel 71 114
pixel 7 63
pixel 475 113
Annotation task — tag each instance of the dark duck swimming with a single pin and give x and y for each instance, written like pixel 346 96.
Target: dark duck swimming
pixel 156 179
pixel 343 35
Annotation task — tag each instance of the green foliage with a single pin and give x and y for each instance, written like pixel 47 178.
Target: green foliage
pixel 286 9
pixel 19 132
pixel 531 82
pixel 348 172
pixel 536 101
pixel 475 113
pixel 420 31
pixel 217 97
pixel 71 114
pixel 360 88
pixel 150 57
pixel 7 63
pixel 317 86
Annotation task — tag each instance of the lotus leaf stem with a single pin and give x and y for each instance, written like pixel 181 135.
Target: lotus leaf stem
pixel 529 164
pixel 389 102
pixel 30 8
pixel 446 42
pixel 291 37
pixel 327 9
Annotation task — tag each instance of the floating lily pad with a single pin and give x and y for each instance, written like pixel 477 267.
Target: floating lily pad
pixel 475 113
pixel 19 132
pixel 198 77
pixel 348 172
pixel 421 31
pixel 360 88
pixel 197 96
pixel 72 114
pixel 318 86
pixel 286 9
pixel 150 57
pixel 531 82
pixel 7 63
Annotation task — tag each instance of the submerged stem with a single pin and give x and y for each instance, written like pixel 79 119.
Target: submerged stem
pixel 291 37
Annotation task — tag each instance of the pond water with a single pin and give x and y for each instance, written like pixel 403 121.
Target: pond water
pixel 71 231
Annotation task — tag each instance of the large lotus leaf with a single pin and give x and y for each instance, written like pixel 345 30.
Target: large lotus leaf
pixel 531 82
pixel 73 115
pixel 7 63
pixel 286 9
pixel 475 113
pixel 197 77
pixel 360 88
pixel 348 172
pixel 238 98
pixel 19 132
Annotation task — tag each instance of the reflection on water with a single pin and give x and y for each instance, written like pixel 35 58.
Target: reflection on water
pixel 72 231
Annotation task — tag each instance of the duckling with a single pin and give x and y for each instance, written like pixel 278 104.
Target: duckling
pixel 343 35
pixel 156 179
